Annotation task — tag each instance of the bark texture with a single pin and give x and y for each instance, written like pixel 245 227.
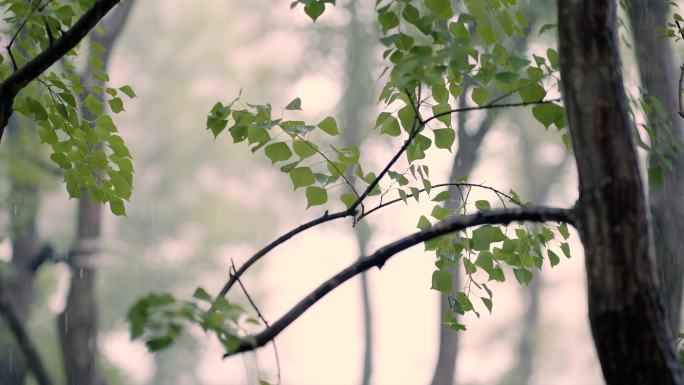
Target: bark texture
pixel 78 322
pixel 626 314
pixel 659 79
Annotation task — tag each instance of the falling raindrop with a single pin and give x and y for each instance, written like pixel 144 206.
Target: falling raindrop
pixel 80 272
pixel 66 323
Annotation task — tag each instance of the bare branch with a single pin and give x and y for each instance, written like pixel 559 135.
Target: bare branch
pixel 27 346
pixel 378 259
pixel 21 77
pixel 280 240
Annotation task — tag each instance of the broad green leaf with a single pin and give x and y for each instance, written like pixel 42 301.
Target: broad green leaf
pixel 329 126
pixel 441 281
pixel 202 294
pixel 441 8
pixel 566 249
pixel 532 92
pixel 302 176
pixel 277 152
pixel 553 258
pixel 117 207
pixel 548 113
pixel 388 20
pixel 444 138
pixel 116 105
pixel 303 148
pixel 480 96
pixel 390 126
pixel 483 236
pixel 314 9
pixel 348 199
pixel 295 104
pixel 442 197
pixel 128 91
pixel 483 205
pixel 488 303
pixel 487 33
pixel 315 196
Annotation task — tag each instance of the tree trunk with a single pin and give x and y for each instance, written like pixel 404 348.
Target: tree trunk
pixel 78 322
pixel 464 162
pixel 357 97
pixel 659 79
pixel 23 209
pixel 632 337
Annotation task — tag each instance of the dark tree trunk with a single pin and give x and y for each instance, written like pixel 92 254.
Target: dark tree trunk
pixel 631 334
pixel 78 322
pixel 659 79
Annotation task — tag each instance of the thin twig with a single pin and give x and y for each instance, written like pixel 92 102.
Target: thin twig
pixel 491 106
pixel 351 211
pixel 378 259
pixel 499 193
pixel 261 317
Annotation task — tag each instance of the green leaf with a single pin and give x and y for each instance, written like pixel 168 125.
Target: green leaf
pixel 480 96
pixel 563 230
pixel 329 126
pixel 553 258
pixel 202 294
pixel 532 92
pixel 483 205
pixel 37 109
pixel 441 8
pixel 488 303
pixel 314 9
pixel 442 197
pixel 487 33
pixel 441 281
pixel 315 196
pixel 348 199
pixel 655 176
pixel 116 105
pixel 303 148
pixel 388 20
pixel 483 236
pixel 128 91
pixel 117 207
pixel 548 113
pixel 277 152
pixel 93 105
pixel 302 176
pixel 566 249
pixel 390 126
pixel 295 104
pixel 444 138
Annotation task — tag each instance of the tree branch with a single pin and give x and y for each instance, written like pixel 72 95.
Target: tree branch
pixel 489 107
pixel 21 77
pixel 418 125
pixel 457 184
pixel 33 358
pixel 378 259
